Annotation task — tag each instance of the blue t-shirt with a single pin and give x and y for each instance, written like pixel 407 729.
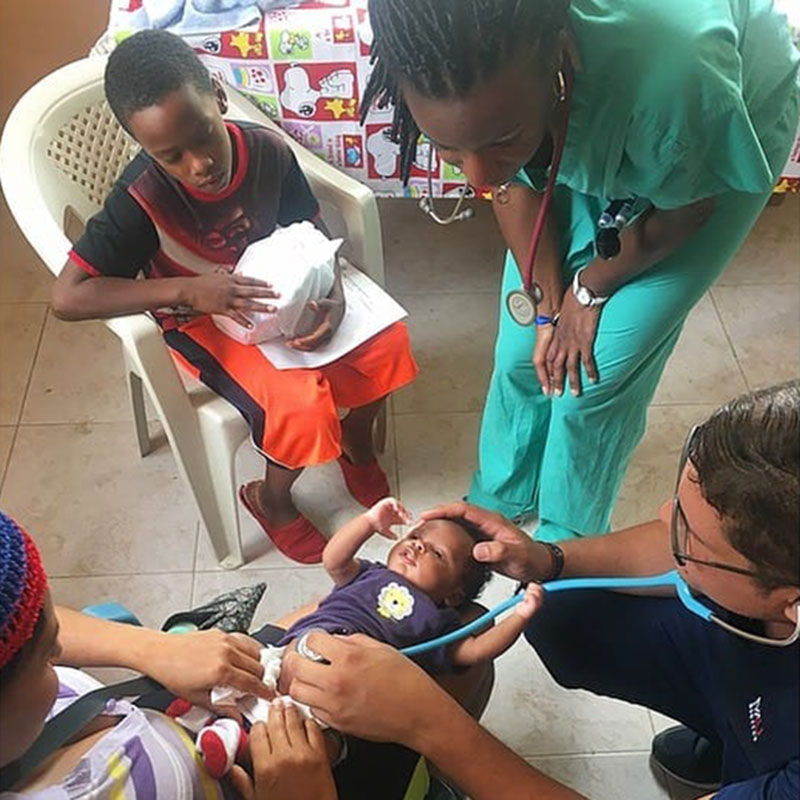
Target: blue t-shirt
pixel 384 605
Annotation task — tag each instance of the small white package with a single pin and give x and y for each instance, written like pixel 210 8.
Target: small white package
pixel 299 263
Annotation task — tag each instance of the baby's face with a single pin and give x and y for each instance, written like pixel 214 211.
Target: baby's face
pixel 434 558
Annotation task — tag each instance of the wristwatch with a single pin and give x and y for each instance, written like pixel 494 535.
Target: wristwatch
pixel 584 295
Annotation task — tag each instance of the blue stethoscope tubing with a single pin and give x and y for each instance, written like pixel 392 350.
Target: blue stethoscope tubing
pixel 665 579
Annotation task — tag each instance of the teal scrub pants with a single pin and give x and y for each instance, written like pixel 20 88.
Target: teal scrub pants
pixel 565 457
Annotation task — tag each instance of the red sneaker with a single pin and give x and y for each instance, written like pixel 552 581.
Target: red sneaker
pixel 299 539
pixel 366 482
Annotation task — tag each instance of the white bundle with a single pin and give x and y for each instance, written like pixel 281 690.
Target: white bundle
pixel 299 263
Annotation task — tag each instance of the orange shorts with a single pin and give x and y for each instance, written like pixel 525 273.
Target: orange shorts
pixel 293 413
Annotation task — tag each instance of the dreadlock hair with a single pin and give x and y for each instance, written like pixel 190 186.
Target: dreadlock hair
pixel 747 457
pixel 478 574
pixel 144 68
pixel 444 48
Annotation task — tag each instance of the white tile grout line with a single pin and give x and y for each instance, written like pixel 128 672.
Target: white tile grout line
pixel 25 391
pixel 728 338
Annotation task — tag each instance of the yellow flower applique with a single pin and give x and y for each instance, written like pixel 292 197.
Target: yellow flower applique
pixel 395 602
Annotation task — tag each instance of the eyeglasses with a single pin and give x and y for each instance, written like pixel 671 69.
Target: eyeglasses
pixel 680 534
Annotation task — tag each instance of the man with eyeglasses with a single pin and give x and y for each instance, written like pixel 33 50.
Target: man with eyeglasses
pixel 732 528
pixel 720 655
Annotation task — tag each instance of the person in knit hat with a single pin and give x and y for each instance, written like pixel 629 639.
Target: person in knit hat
pixel 126 751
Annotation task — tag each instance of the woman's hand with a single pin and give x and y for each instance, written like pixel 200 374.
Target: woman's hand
pixel 385 513
pixel 190 664
pixel 223 293
pixel 511 552
pixel 544 338
pixel 368 689
pixel 290 760
pixel 330 312
pixel 572 343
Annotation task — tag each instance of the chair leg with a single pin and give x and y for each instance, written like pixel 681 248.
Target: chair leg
pixel 222 521
pixel 136 393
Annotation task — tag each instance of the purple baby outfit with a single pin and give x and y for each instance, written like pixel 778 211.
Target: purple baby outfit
pixel 384 605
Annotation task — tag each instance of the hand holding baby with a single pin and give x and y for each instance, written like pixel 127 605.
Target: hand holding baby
pixel 386 513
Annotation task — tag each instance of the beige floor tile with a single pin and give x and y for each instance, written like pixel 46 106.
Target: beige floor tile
pixel 702 368
pixel 96 507
pixel 436 455
pixel 320 493
pixel 78 377
pixel 20 328
pixel 771 253
pixel 453 340
pixel 650 479
pixel 6 439
pixel 423 257
pixel 534 716
pixel 618 776
pixel 23 277
pixel 287 589
pixel 151 597
pixel 764 325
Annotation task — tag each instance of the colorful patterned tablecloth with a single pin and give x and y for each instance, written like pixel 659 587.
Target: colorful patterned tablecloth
pixel 306 67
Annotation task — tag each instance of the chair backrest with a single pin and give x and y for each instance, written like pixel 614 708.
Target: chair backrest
pixel 62 149
pixel 92 149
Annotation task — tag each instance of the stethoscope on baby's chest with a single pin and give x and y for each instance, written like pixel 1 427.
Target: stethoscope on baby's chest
pixel 522 303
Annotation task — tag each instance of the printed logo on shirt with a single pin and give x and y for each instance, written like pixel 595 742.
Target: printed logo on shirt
pixel 755 718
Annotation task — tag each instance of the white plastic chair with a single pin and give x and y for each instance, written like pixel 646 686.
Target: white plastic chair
pixel 60 153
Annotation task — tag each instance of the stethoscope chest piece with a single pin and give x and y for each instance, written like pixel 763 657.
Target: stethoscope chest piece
pixel 522 307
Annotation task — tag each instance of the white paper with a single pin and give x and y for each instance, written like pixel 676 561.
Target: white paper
pixel 368 311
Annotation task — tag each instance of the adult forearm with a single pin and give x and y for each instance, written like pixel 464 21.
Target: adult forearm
pixel 653 237
pixel 102 298
pixel 640 550
pixel 479 764
pixel 90 642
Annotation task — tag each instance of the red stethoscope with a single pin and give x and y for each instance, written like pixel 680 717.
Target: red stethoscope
pixel 521 303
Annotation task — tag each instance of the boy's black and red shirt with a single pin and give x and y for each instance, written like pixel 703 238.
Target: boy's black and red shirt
pixel 150 222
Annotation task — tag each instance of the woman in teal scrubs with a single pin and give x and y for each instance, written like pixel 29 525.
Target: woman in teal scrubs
pixel 688 106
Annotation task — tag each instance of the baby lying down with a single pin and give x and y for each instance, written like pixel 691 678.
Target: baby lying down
pixel 429 575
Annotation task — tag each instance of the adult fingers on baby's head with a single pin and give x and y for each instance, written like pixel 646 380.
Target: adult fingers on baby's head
pixel 490 552
pixel 445 510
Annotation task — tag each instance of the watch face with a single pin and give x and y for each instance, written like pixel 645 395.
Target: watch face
pixel 583 296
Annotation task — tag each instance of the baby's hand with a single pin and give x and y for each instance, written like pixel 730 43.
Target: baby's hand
pixel 385 513
pixel 530 604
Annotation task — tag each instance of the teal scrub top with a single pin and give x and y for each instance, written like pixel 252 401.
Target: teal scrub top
pixel 678 100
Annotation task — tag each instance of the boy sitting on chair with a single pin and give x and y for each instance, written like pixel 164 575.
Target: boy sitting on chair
pixel 182 213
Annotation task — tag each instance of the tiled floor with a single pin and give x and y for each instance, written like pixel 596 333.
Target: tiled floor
pixel 112 525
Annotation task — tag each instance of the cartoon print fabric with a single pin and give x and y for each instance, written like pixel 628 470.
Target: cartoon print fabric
pixel 306 67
